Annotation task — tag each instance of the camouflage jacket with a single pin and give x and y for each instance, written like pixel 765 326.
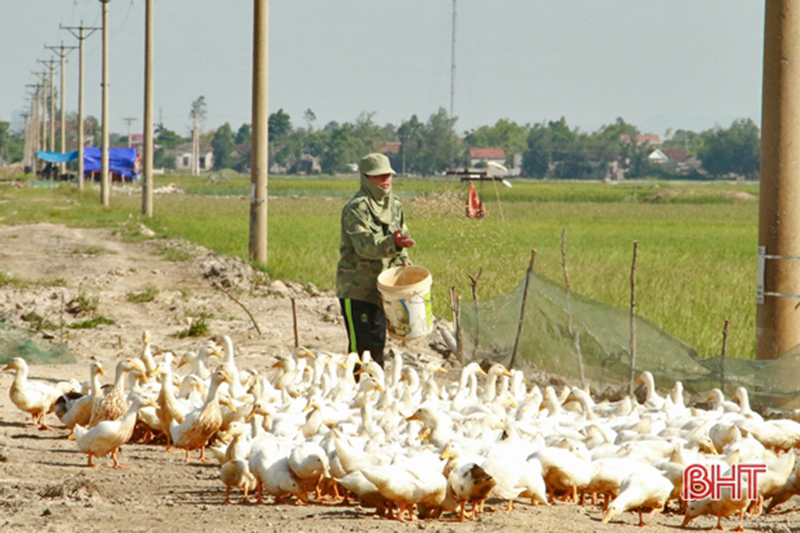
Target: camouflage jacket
pixel 367 249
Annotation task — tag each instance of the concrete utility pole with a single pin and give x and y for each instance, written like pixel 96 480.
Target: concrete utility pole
pixel 777 318
pixel 259 155
pixel 147 178
pixel 195 146
pixel 26 147
pixel 43 99
pixel 63 52
pixel 453 66
pixel 81 139
pixel 52 123
pixel 128 121
pixel 105 184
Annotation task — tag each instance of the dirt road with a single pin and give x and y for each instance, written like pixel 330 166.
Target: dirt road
pixel 45 484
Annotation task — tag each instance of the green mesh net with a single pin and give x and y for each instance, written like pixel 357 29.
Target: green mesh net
pixel 19 342
pixel 562 331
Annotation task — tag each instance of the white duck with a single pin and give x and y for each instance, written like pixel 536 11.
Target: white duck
pixel 108 435
pixel 200 424
pixel 79 411
pixel 33 397
pixel 646 488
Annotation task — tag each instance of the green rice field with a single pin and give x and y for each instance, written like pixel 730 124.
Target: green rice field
pixel 696 241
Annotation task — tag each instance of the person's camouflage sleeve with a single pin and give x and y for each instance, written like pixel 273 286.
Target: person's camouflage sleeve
pixel 367 248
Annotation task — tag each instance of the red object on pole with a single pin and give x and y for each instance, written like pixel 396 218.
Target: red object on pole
pixel 475 207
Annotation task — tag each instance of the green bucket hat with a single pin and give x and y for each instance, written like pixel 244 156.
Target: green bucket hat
pixel 375 165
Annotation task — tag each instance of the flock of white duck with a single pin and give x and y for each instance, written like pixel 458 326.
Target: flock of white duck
pixel 408 445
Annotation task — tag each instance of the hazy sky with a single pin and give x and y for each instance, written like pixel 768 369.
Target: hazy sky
pixel 689 64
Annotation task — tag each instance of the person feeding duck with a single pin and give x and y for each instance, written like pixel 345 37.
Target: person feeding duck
pixel 374 238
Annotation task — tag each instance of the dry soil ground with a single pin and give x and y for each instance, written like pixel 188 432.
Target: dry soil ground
pixel 45 484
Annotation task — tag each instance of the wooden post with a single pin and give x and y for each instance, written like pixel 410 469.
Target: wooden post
pixel 723 355
pixel 294 321
pixel 576 340
pixel 459 331
pixel 474 280
pixel 633 317
pixel 528 275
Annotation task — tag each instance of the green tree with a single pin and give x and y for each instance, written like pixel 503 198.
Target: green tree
pixel 410 133
pixel 244 135
pixel 555 150
pixel 222 144
pixel 310 118
pixel 12 144
pixel 732 151
pixel 505 134
pixel 693 143
pixel 343 148
pixel 440 148
pixel 198 109
pixel 280 125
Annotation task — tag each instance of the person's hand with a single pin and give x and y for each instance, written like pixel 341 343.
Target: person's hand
pixel 402 241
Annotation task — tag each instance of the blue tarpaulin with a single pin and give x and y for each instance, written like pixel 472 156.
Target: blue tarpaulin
pixel 122 161
pixel 57 157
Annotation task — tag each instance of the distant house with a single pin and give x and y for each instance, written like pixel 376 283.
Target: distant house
pixel 657 156
pixel 183 157
pixel 482 156
pixel 242 150
pixel 681 162
pixel 307 164
pixel 653 140
pixel 386 148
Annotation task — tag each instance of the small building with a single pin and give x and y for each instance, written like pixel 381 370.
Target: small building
pixel 658 157
pixel 479 157
pixel 183 157
pixel 387 147
pixel 682 162
pixel 307 164
pixel 651 139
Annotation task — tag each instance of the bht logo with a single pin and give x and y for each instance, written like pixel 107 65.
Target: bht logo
pixel 707 481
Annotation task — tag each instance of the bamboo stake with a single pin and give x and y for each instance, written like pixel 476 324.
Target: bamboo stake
pixel 723 355
pixel 576 340
pixel 633 316
pixel 528 275
pixel 294 322
pixel 499 203
pixel 217 286
pixel 459 332
pixel 474 280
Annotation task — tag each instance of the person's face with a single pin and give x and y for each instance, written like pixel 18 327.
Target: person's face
pixel 384 181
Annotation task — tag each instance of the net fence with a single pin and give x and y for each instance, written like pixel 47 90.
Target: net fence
pixel 19 342
pixel 562 331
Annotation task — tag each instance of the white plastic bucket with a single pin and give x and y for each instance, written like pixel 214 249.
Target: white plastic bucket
pixel 406 295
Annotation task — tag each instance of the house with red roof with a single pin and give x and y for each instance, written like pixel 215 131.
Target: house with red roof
pixel 483 156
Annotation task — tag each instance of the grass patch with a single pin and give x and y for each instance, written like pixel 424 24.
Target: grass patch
pixel 38 322
pixel 92 323
pixel 93 250
pixel 84 303
pixel 148 294
pixel 697 241
pixel 175 254
pixel 198 327
pixel 6 280
pixel 10 281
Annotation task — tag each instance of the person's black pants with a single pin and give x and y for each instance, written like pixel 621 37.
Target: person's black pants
pixel 366 327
